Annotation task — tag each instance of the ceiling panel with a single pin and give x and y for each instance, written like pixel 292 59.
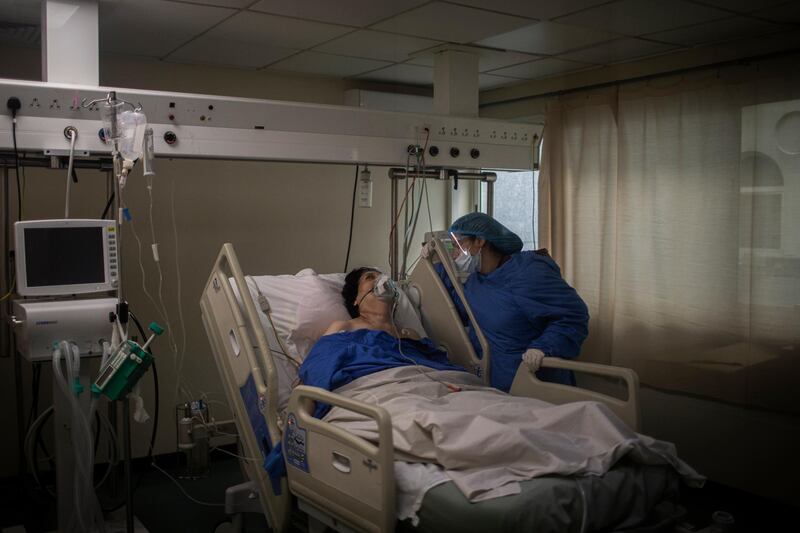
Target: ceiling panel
pixel 213 50
pixel 129 27
pixel 490 81
pixel 548 38
pixel 742 6
pixel 786 12
pixel 637 17
pixel 272 30
pixel 404 73
pixel 20 12
pixel 617 51
pixel 541 68
pixel 716 31
pixel 20 23
pixel 488 59
pixel 449 22
pixel 537 9
pixel 377 45
pixel 327 64
pixel 26 36
pixel 764 44
pixel 347 12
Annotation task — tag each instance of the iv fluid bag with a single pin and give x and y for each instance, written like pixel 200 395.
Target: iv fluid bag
pixel 131 126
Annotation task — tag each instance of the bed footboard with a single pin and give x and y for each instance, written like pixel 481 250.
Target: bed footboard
pixel 335 471
pixel 527 384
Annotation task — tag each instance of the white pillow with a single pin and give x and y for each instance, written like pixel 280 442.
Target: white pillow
pixel 316 312
pixel 319 309
pixel 286 294
pixel 302 307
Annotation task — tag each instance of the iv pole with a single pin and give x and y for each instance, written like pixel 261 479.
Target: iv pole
pixel 114 104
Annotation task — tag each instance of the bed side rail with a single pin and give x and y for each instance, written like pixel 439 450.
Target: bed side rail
pixel 440 317
pixel 527 384
pixel 336 471
pixel 242 370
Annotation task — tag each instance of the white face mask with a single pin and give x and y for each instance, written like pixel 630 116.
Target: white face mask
pixel 466 262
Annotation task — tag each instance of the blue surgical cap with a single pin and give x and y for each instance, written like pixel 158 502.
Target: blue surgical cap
pixel 483 226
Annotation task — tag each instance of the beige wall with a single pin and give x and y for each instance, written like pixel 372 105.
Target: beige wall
pixel 281 217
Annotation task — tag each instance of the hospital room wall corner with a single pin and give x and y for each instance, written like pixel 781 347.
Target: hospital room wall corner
pixel 281 217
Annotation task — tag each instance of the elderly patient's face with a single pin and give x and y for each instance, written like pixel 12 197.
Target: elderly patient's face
pixel 366 283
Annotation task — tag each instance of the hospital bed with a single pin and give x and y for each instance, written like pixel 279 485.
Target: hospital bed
pixel 347 483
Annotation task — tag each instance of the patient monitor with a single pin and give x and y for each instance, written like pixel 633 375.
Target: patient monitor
pixel 64 257
pixel 69 256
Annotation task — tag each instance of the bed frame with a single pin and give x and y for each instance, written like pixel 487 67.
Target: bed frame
pixel 337 479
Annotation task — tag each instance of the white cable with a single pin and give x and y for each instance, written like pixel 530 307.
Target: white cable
pixel 160 308
pixel 251 459
pixel 178 275
pixel 417 366
pixel 141 267
pixel 262 299
pixel 205 397
pixel 178 360
pixel 585 510
pixel 211 428
pixel 177 484
pixel 73 135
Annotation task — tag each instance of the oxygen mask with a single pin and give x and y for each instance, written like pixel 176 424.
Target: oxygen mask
pixel 385 288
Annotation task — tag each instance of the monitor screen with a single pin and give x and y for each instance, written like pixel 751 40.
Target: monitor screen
pixel 64 256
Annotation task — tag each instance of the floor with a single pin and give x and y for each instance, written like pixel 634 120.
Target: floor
pixel 160 506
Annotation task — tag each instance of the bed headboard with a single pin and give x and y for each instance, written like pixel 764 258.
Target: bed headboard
pixel 246 367
pixel 439 315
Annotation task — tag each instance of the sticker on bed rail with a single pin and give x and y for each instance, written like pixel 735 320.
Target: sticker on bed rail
pixel 262 402
pixel 295 444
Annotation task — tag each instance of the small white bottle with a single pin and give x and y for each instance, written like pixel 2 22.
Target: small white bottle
pixel 365 188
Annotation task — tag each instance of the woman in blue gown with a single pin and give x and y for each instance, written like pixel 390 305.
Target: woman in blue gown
pixel 519 299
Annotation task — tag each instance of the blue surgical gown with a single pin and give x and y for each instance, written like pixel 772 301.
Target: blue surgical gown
pixel 524 303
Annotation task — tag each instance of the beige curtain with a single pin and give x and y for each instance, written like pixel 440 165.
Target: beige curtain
pixel 578 205
pixel 674 209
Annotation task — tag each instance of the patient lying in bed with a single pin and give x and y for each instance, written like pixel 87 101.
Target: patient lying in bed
pixel 370 342
pixel 486 441
pixel 370 302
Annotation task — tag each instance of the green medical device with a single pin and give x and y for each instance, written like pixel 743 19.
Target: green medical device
pixel 125 366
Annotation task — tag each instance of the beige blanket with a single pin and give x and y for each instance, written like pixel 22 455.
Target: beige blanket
pixel 488 441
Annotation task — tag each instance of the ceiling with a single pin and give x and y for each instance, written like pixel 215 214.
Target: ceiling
pixel 387 40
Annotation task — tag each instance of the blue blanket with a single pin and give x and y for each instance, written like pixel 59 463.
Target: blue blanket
pixel 336 360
